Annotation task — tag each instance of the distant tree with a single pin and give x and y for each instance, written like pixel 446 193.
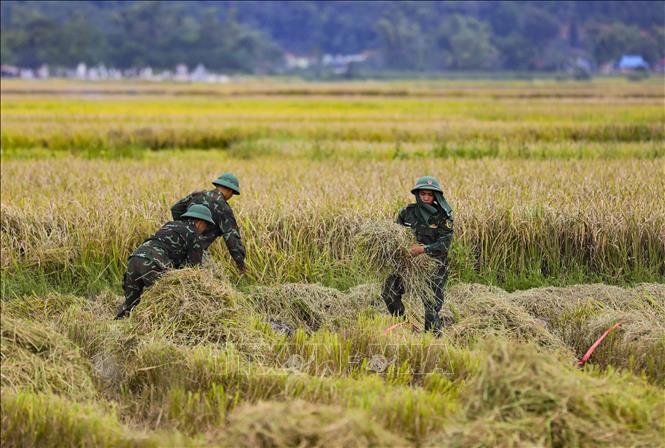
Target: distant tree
pixel 537 25
pixel 6 51
pixel 236 47
pixel 517 52
pixel 164 34
pixel 466 43
pixel 574 34
pixel 401 42
pixel 250 35
pixel 658 33
pixel 35 39
pixel 80 42
pixel 504 18
pixel 609 41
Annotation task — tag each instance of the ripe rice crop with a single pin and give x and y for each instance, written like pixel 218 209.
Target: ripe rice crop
pixel 517 223
pixel 478 120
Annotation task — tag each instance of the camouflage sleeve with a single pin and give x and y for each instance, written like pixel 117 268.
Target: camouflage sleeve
pixel 194 251
pixel 444 239
pixel 229 228
pixel 400 217
pixel 180 207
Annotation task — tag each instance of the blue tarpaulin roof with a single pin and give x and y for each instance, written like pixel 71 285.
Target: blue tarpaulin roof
pixel 632 61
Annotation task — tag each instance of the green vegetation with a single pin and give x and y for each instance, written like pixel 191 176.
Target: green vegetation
pixel 251 36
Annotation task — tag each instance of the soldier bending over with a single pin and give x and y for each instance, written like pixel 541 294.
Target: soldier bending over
pixel 176 244
pixel 216 200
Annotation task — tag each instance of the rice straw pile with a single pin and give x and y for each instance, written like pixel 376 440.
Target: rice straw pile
pixel 190 306
pixel 301 424
pixel 37 358
pixel 308 306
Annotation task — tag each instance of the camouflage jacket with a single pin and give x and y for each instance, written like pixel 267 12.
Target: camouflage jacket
pixel 436 234
pixel 225 222
pixel 175 245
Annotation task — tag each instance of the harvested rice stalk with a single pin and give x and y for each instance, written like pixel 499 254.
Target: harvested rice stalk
pixel 37 358
pixel 308 306
pixel 190 306
pixel 41 308
pixel 298 423
pixel 485 312
pixel 580 314
pixel 524 397
pixel 367 295
pixel 108 344
pixel 638 345
pixel 549 303
pixel 386 247
pixel 44 420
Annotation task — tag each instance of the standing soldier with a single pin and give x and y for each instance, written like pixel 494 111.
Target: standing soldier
pixel 216 200
pixel 176 244
pixel 431 220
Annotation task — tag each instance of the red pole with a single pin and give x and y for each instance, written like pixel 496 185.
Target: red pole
pixel 587 355
pixel 392 327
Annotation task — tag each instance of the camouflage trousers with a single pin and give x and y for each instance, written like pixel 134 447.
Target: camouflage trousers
pixel 141 273
pixel 393 290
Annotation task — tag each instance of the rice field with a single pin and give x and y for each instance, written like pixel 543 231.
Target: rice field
pixel 557 189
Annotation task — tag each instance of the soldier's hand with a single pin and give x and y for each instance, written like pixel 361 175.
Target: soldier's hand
pixel 417 249
pixel 242 270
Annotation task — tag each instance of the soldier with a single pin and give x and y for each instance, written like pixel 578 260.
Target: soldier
pixel 216 199
pixel 431 220
pixel 176 244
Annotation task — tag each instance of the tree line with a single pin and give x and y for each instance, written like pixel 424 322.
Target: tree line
pixel 249 36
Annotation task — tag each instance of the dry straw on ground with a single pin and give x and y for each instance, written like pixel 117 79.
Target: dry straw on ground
pixel 167 367
pixel 485 313
pixel 41 308
pixel 367 295
pixel 307 306
pixel 50 421
pixel 302 424
pixel 580 314
pixel 525 397
pixel 190 306
pixel 36 357
pixel 550 302
pixel 638 344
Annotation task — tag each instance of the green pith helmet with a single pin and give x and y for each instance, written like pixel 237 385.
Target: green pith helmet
pixel 427 183
pixel 199 211
pixel 228 180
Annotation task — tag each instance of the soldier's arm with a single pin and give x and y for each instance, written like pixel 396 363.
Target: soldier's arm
pixel 180 207
pixel 231 234
pixel 400 217
pixel 194 251
pixel 445 238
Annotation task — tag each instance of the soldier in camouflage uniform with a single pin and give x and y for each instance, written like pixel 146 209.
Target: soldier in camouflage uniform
pixel 431 220
pixel 176 244
pixel 216 200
